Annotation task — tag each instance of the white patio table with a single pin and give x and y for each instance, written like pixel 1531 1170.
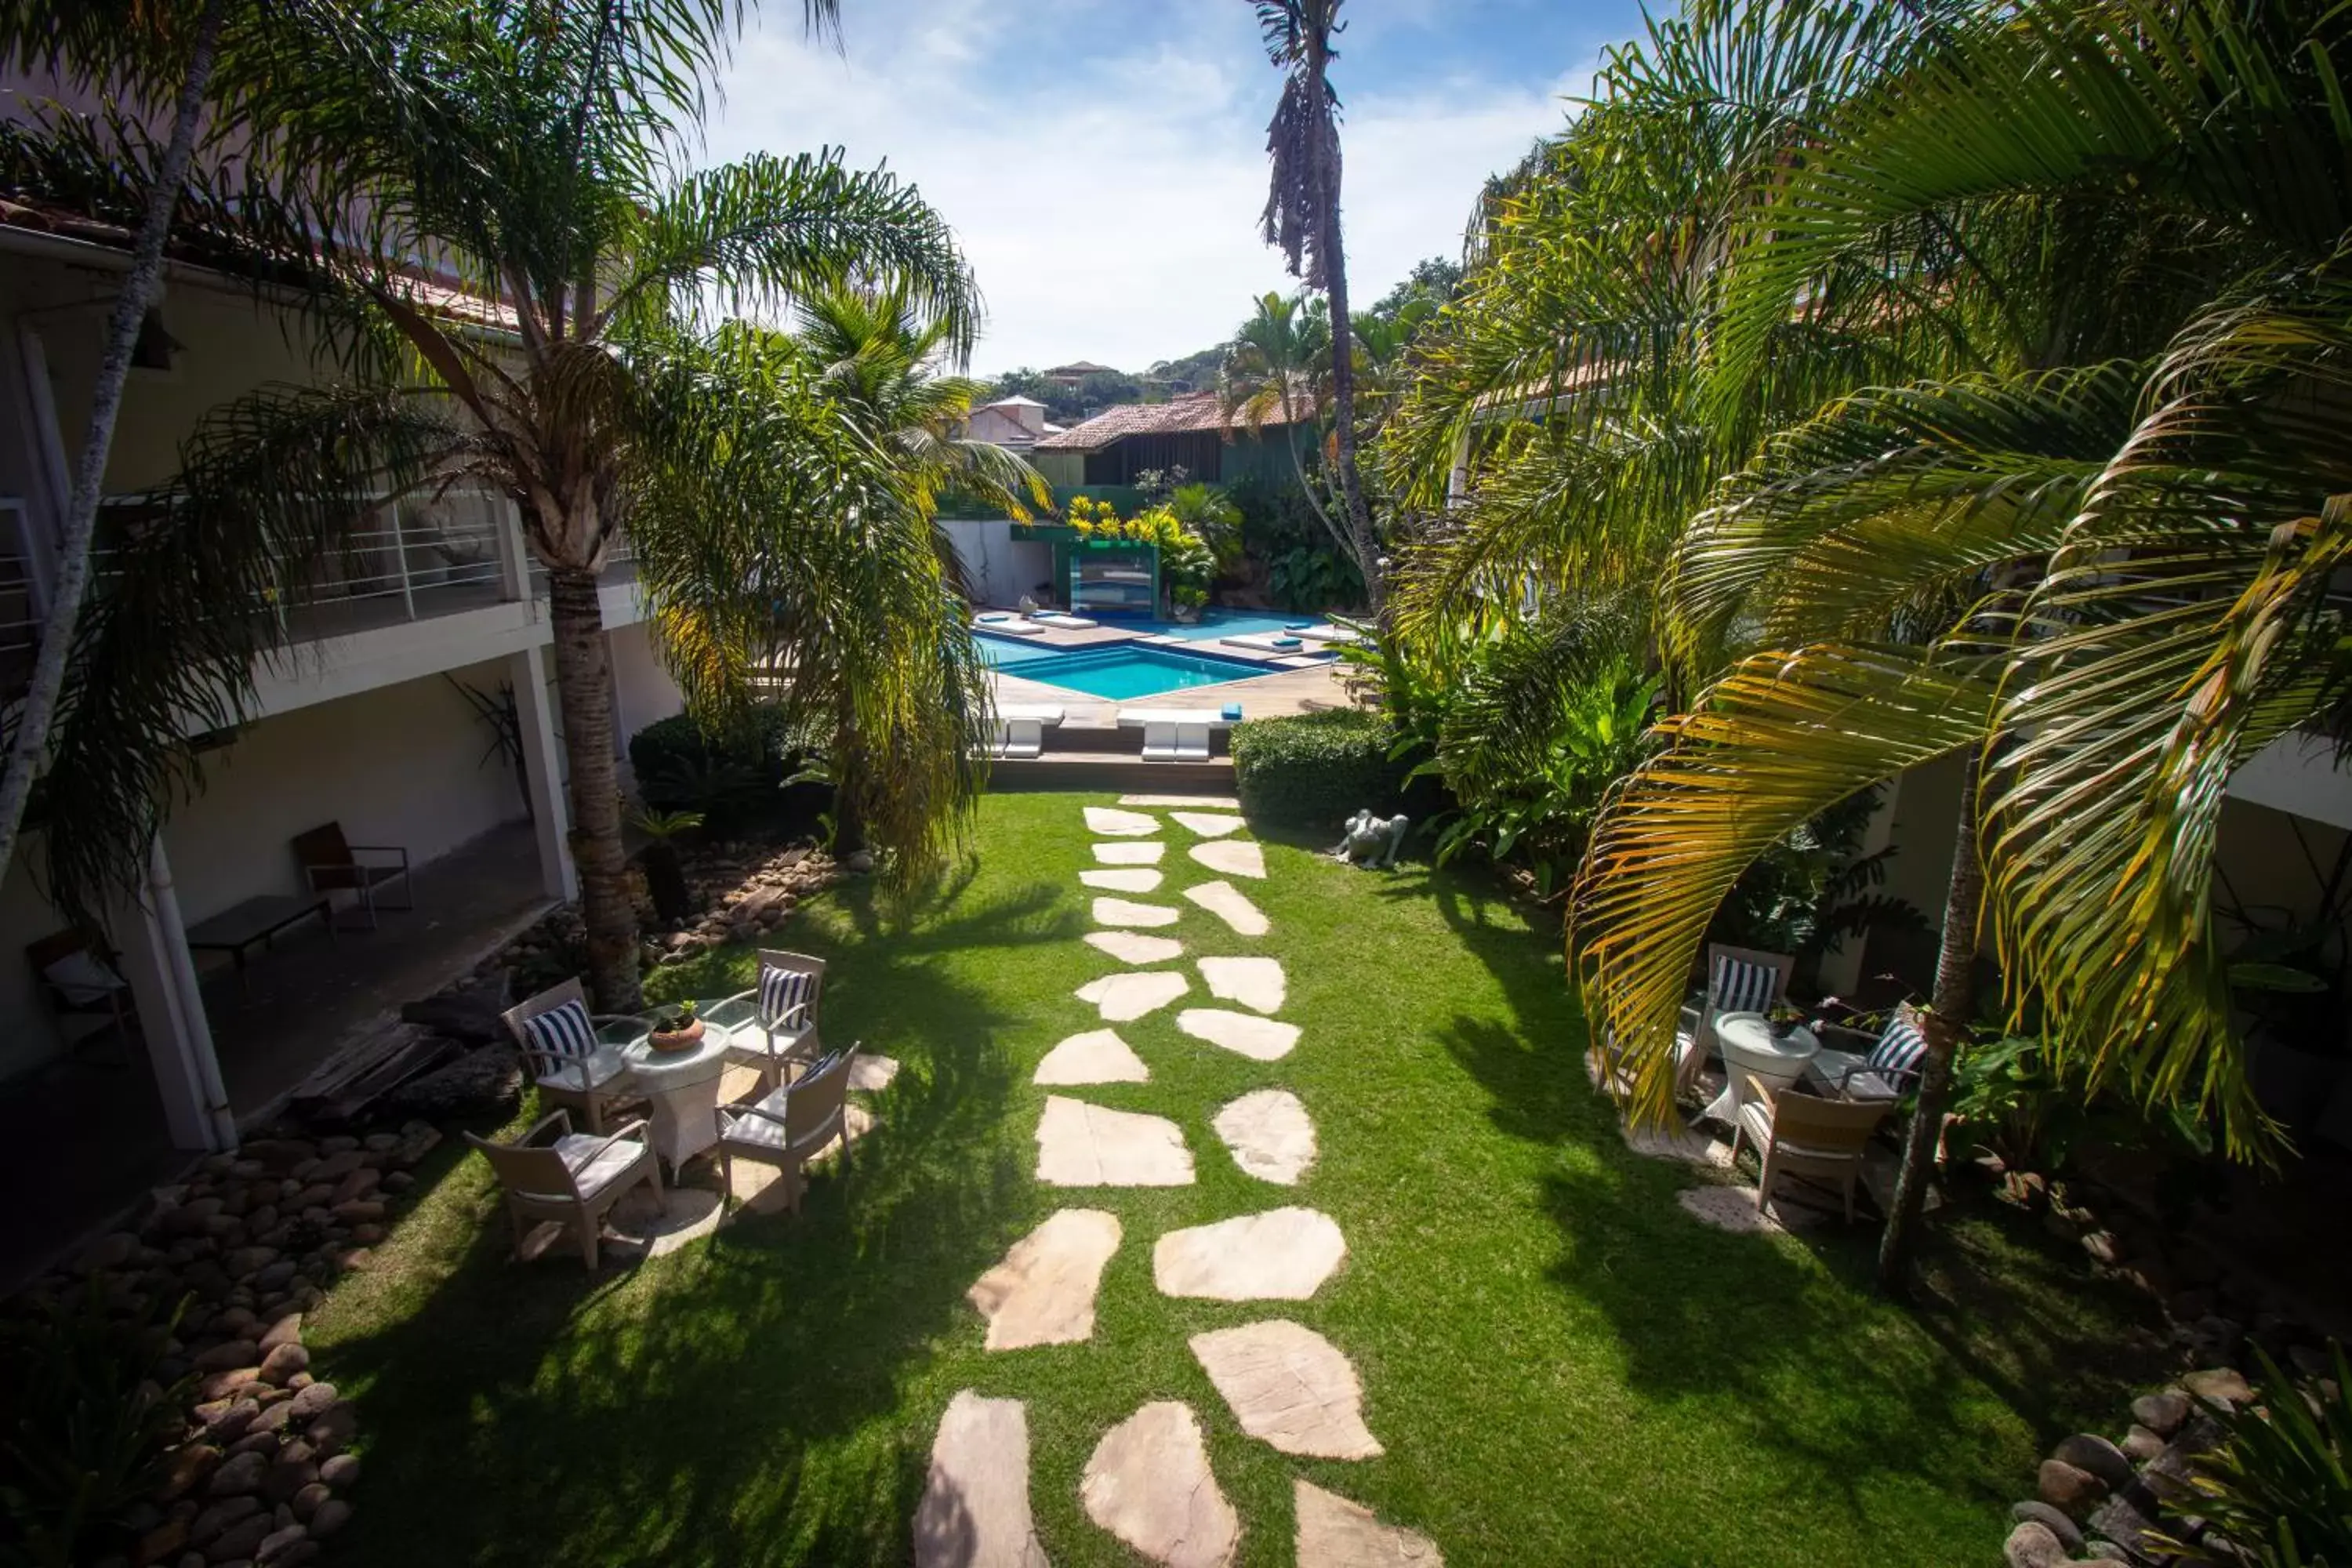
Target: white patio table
pixel 1750 1047
pixel 683 1089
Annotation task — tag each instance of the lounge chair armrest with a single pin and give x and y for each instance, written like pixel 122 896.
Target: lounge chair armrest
pixel 559 1119
pixel 760 1111
pixel 380 849
pixel 634 1124
pixel 784 1020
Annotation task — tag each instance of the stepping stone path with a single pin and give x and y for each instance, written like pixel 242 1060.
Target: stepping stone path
pixel 1270 1134
pixel 872 1074
pixel 975 1506
pixel 1044 1292
pixel 1221 899
pixel 1208 824
pixel 1735 1209
pixel 1149 1484
pixel 1083 1145
pixel 1244 1034
pixel 1130 948
pixel 1130 995
pixel 1134 879
pixel 1253 982
pixel 1282 1254
pixel 1124 912
pixel 1336 1534
pixel 1098 1056
pixel 1235 858
pixel 1147 1481
pixel 1288 1387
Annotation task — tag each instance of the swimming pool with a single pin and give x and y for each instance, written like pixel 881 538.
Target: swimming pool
pixel 1215 624
pixel 1121 671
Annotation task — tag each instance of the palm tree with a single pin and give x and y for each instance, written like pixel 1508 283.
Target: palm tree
pixel 1279 364
pixel 529 150
pixel 1993 421
pixel 877 359
pixel 1302 218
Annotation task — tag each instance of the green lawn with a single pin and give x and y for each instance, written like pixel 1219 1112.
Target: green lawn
pixel 1563 1366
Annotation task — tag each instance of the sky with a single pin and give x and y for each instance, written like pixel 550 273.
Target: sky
pixel 1103 162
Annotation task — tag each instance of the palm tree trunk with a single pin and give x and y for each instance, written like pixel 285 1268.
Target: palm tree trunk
pixel 848 782
pixel 583 686
pixel 1365 547
pixel 1947 1020
pixel 30 745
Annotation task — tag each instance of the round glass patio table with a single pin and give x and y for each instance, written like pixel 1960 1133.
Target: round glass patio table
pixel 1750 1049
pixel 682 1087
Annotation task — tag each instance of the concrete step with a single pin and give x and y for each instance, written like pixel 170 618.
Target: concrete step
pixel 1127 773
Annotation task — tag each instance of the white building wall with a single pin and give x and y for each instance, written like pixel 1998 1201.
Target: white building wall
pixel 403 765
pixel 642 691
pixel 983 548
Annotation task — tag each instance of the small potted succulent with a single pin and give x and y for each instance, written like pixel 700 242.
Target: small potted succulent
pixel 1785 1021
pixel 676 1030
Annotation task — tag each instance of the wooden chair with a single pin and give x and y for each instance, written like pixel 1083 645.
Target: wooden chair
pixel 79 979
pixel 780 1028
pixel 1801 1134
pixel 1735 983
pixel 331 864
pixel 587 1080
pixel 552 1173
pixel 789 1126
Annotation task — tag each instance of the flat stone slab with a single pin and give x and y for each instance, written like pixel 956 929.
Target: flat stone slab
pixel 1148 1483
pixel 1129 948
pixel 1130 995
pixel 1270 1134
pixel 1044 1292
pixel 1289 1386
pixel 1336 1534
pixel 1203 802
pixel 872 1074
pixel 1127 912
pixel 1228 903
pixel 1123 879
pixel 1083 1145
pixel 1233 857
pixel 1735 1209
pixel 1282 1254
pixel 1129 853
pixel 1687 1144
pixel 1256 982
pixel 1112 824
pixel 1244 1034
pixel 975 1506
pixel 1209 824
pixel 1098 1056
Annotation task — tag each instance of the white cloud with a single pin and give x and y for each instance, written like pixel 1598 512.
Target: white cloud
pixel 1109 199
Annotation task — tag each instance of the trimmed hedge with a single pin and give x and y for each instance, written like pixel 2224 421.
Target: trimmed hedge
pixel 1316 770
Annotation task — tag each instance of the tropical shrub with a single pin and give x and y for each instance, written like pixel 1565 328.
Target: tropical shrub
pixel 89 1421
pixel 1186 561
pixel 731 777
pixel 1316 770
pixel 2280 1486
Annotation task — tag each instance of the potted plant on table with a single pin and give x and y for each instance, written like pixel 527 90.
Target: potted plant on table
pixel 676 1030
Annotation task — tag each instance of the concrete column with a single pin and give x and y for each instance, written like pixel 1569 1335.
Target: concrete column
pixel 162 980
pixel 542 764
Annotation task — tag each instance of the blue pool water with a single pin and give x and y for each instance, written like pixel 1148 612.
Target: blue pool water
pixel 1120 672
pixel 1215 624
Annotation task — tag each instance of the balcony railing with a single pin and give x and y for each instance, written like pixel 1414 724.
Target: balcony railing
pixel 20 604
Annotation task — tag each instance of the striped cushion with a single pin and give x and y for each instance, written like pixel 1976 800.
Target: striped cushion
pixel 562 1031
pixel 782 990
pixel 1740 986
pixel 1900 1048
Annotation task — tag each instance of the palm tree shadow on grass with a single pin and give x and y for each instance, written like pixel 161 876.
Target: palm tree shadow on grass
pixel 736 1402
pixel 1797 1350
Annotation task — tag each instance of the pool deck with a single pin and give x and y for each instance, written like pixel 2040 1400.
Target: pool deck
pixel 1279 693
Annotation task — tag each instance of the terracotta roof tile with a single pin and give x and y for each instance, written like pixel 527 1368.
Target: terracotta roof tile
pixel 1195 411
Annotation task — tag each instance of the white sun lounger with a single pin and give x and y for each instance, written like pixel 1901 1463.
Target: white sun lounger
pixel 1021 729
pixel 1010 626
pixel 1265 642
pixel 1328 633
pixel 1064 620
pixel 1175 734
